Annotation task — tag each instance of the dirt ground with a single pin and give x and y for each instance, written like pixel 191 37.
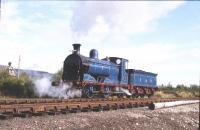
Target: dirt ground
pixel 176 118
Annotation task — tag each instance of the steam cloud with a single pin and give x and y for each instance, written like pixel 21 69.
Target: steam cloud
pixel 123 17
pixel 43 87
pixel 86 13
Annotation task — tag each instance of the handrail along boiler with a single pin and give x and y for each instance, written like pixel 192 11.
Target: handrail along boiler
pixel 105 77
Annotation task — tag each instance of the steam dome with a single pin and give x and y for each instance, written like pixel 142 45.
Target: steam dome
pixel 94 54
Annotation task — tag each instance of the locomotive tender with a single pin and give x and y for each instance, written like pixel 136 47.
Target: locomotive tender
pixel 105 77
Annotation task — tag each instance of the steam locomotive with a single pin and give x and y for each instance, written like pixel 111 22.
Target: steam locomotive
pixel 106 77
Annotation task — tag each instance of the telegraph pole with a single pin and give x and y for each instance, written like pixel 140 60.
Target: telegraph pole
pixel 199 83
pixel 18 67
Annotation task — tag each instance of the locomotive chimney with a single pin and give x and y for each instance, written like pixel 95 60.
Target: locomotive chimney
pixel 76 48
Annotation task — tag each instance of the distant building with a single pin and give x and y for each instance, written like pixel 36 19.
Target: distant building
pixel 10 69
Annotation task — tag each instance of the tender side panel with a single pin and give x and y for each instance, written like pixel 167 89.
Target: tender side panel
pixel 143 79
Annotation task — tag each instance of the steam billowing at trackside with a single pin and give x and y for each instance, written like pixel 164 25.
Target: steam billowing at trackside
pixel 43 87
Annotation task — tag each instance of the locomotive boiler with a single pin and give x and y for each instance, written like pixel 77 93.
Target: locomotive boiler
pixel 106 77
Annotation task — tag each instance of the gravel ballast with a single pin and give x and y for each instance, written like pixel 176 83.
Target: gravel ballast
pixel 175 118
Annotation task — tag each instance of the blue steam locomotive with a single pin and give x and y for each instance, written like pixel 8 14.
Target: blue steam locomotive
pixel 106 77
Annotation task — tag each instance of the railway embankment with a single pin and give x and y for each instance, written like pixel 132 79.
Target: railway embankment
pixel 175 118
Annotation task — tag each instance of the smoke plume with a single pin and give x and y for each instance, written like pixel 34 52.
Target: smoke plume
pixel 115 16
pixel 43 87
pixel 86 13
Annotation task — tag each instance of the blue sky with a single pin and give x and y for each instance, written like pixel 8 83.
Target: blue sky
pixel 161 37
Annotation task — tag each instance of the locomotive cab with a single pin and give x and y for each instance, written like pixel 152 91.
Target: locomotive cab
pixel 122 65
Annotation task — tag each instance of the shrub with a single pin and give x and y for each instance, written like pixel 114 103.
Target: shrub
pixel 11 86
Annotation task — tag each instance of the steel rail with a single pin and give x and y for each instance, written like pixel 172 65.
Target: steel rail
pixel 29 107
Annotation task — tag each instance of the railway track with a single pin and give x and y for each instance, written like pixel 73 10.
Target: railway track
pixel 36 107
